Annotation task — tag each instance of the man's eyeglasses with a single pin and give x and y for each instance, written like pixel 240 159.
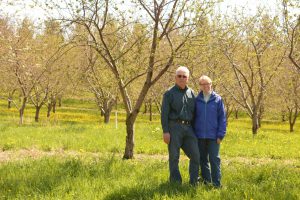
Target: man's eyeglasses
pixel 181 76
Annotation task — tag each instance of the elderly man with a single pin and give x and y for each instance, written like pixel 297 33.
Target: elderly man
pixel 177 114
pixel 210 129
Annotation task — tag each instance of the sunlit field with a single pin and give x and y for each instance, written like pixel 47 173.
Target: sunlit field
pixel 74 155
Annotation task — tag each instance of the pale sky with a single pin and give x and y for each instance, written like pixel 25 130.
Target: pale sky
pixel 249 6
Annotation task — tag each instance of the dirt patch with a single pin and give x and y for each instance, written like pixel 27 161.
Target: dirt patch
pixel 11 156
pixel 252 161
pixel 22 154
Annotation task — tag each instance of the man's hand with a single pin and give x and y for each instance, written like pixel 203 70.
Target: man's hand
pixel 219 141
pixel 166 137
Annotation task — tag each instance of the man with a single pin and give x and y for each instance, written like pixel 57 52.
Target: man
pixel 210 129
pixel 177 114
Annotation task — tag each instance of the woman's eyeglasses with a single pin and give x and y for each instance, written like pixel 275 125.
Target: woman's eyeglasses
pixel 204 84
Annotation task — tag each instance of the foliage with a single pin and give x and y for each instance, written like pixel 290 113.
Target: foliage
pixel 75 156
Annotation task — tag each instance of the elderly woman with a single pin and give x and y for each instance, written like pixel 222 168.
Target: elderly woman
pixel 210 129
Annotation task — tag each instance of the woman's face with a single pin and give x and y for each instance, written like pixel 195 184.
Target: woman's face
pixel 205 86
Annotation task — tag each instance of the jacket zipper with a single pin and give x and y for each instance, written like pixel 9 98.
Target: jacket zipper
pixel 205 120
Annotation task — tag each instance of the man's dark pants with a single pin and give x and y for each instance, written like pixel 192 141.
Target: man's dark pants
pixel 182 136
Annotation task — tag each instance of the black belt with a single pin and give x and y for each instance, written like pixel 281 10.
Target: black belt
pixel 185 122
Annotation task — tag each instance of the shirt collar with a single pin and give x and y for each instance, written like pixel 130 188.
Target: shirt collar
pixel 209 93
pixel 186 87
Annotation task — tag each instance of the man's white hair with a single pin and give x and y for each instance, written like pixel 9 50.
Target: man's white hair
pixel 183 69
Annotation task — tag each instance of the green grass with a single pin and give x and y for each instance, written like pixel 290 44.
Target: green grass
pixel 109 177
pixel 80 157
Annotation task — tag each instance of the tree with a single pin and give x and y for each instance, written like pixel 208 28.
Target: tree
pixel 30 63
pixel 21 67
pixel 99 85
pixel 205 57
pixel 8 87
pixel 50 50
pixel 254 58
pixel 292 30
pixel 288 93
pixel 170 24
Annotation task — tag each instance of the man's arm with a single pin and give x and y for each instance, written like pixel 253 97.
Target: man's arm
pixel 165 110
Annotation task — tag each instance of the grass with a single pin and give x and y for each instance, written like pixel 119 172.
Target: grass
pixel 266 166
pixel 109 177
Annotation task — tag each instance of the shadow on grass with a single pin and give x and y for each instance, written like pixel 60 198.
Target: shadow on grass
pixel 147 192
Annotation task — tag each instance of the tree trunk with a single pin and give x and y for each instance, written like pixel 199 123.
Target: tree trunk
pixel 59 102
pixel 254 124
pixel 130 121
pixel 9 104
pixel 107 108
pixel 54 106
pixel 150 110
pixel 107 116
pixel 227 118
pixel 37 113
pixel 10 98
pixel 260 115
pixel 291 127
pixel 236 113
pixel 49 110
pixel 146 108
pixel 158 106
pixel 228 113
pixel 292 118
pixel 21 111
pixel 283 114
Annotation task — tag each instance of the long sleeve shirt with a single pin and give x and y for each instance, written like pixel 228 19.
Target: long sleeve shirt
pixel 178 104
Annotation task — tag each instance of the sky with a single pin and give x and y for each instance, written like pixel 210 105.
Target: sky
pixel 249 6
pixel 35 13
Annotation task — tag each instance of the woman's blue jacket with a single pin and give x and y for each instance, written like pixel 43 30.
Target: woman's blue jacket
pixel 210 117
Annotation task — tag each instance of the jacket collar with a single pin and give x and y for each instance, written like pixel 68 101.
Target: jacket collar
pixel 201 96
pixel 182 90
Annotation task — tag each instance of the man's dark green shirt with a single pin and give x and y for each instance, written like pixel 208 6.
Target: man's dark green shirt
pixel 178 104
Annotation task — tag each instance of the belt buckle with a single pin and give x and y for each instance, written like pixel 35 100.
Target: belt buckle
pixel 182 122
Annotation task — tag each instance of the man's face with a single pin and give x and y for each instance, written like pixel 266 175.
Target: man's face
pixel 205 86
pixel 181 79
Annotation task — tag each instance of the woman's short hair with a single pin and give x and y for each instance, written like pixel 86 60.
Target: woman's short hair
pixel 206 78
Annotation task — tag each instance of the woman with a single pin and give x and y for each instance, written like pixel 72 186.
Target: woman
pixel 210 129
